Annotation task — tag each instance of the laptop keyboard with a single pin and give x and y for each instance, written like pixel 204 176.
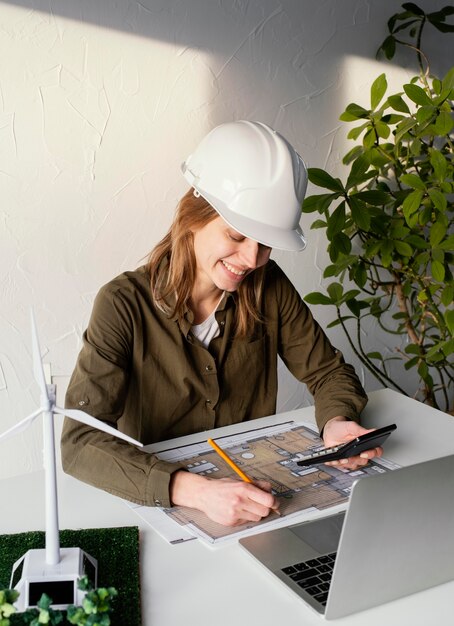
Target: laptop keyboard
pixel 314 575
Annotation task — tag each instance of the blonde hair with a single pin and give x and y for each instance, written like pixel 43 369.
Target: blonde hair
pixel 194 212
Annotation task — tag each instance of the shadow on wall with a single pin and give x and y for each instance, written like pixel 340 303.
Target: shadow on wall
pixel 213 26
pixel 282 62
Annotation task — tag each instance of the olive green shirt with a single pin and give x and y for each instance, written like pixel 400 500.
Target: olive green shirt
pixel 146 373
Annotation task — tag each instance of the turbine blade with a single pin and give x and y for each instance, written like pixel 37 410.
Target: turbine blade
pixel 20 426
pixel 89 420
pixel 38 369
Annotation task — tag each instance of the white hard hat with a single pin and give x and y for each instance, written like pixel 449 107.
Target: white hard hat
pixel 254 179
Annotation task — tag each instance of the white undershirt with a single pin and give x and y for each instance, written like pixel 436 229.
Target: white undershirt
pixel 208 329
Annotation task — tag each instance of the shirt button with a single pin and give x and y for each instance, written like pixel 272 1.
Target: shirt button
pixel 209 368
pixel 208 401
pixel 222 323
pixel 157 502
pixel 82 403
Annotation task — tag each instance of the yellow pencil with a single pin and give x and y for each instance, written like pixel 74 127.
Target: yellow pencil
pixel 233 465
pixel 229 461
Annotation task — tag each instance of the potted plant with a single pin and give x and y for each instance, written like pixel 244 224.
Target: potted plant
pixel 390 224
pixel 95 610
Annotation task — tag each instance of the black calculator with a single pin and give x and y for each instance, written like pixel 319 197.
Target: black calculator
pixel 352 448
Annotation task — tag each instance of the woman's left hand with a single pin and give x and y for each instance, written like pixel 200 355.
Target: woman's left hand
pixel 338 430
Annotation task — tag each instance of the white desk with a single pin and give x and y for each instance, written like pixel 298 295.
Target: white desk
pixel 192 584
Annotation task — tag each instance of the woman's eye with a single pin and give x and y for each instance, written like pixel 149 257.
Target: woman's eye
pixel 237 239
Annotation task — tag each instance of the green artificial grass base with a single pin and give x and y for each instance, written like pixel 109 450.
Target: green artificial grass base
pixel 117 553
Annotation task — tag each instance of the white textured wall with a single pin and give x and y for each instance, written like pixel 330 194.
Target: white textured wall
pixel 101 100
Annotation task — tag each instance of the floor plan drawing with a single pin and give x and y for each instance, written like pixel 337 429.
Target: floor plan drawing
pixel 268 454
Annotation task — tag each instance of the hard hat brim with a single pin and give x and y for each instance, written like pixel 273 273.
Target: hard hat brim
pixel 291 240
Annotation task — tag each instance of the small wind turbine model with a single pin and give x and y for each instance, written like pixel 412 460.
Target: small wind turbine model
pixel 55 570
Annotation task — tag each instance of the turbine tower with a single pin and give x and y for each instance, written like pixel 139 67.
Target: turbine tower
pixel 54 570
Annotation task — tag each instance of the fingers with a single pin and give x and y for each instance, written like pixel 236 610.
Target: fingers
pixel 236 502
pixel 356 462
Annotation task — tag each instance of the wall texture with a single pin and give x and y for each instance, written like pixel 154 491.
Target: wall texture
pixel 100 102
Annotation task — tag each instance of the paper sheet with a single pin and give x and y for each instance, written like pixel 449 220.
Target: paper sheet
pixel 268 453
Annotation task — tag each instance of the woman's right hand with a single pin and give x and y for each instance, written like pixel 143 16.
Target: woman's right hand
pixel 225 501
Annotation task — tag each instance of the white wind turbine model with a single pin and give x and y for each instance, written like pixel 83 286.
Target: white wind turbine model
pixel 55 570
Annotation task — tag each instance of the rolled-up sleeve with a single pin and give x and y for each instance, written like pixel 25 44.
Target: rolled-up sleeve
pixel 99 386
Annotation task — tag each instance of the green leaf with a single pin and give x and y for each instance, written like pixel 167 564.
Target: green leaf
pixel 449 319
pixel 350 295
pixel 425 216
pixel 331 270
pixel 412 203
pixel 382 129
pixel 438 255
pixel 321 178
pixel 369 138
pixel 360 275
pixel 315 297
pixel 448 244
pixel 388 47
pixel 359 213
pixel 407 25
pixel 318 202
pixel 413 181
pixel 448 80
pixel 336 322
pixel 423 371
pixel 354 112
pixel 417 94
pixel 437 232
pixel 318 224
pixel 375 355
pixel 354 307
pixel 378 90
pixel 353 154
pixel 336 221
pixel 335 291
pixel 416 241
pixel 374 197
pixel 439 200
pixel 438 271
pixel 442 27
pixel 356 132
pixel 411 363
pixel 413 8
pixel 447 295
pixel 423 114
pixel 386 252
pixel 392 118
pixel 412 348
pixel 403 248
pixel 403 128
pixel 444 123
pixel 341 244
pixel 398 104
pixel 440 350
pixel 439 163
pixel 358 169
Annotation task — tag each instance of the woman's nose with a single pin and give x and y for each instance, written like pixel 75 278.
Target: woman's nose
pixel 250 253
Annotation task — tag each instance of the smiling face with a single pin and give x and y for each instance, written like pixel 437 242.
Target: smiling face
pixel 224 257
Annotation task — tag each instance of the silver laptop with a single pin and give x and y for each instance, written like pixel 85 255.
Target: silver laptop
pixel 396 538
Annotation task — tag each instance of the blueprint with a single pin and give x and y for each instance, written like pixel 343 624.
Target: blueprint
pixel 268 453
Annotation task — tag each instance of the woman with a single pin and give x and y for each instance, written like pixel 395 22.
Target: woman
pixel 190 341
